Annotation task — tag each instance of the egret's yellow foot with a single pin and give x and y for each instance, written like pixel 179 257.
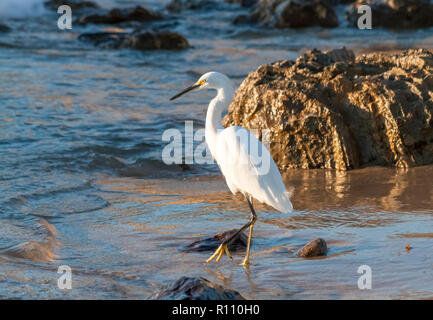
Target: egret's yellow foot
pixel 219 253
pixel 246 262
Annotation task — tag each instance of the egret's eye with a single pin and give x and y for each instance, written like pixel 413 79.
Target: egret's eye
pixel 201 82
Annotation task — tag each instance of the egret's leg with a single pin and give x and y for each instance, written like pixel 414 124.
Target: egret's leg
pixel 253 221
pixel 224 245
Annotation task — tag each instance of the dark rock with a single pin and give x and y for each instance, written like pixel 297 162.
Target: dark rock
pixel 137 40
pixel 243 19
pixel 196 289
pixel 162 40
pixel 395 14
pixel 211 244
pixel 314 248
pixel 181 5
pixel 115 16
pixel 340 2
pixel 243 3
pixel 295 13
pixel 74 4
pixel 4 28
pixel 330 110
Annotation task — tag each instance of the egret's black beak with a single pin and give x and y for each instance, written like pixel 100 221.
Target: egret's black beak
pixel 196 85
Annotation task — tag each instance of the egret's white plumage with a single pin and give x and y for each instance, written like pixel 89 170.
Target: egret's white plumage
pixel 231 148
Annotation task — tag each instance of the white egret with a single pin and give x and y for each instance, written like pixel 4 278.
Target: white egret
pixel 236 161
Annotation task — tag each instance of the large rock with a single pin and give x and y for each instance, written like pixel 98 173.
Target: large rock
pixel 196 289
pixel 294 13
pixel 395 14
pixel 330 110
pixel 146 40
pixel 115 16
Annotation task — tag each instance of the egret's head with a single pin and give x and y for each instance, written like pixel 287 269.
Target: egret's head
pixel 210 80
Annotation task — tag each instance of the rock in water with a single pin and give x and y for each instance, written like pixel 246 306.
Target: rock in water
pixel 196 289
pixel 243 3
pixel 146 40
pixel 211 244
pixel 314 248
pixel 181 5
pixel 74 4
pixel 395 14
pixel 4 28
pixel 294 13
pixel 330 110
pixel 115 16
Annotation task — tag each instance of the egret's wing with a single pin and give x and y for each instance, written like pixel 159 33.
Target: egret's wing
pixel 249 168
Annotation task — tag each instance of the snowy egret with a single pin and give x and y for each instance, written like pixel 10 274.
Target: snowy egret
pixel 236 161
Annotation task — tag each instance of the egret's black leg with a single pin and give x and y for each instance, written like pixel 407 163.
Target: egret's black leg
pixel 253 218
pixel 224 245
pixel 246 261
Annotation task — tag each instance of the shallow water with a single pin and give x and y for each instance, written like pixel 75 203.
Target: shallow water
pixel 82 182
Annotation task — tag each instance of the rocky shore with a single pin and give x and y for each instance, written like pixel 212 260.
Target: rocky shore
pixel 392 14
pixel 395 14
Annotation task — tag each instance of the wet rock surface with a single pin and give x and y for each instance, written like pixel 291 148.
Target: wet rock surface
pixel 211 244
pixel 314 248
pixel 340 2
pixel 243 3
pixel 332 110
pixel 181 5
pixel 143 40
pixel 294 13
pixel 187 288
pixel 116 16
pixel 395 14
pixel 74 4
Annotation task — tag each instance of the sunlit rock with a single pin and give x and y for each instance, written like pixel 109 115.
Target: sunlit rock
pixel 334 111
pixel 314 248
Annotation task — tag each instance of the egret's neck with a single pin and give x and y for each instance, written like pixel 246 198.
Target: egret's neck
pixel 214 115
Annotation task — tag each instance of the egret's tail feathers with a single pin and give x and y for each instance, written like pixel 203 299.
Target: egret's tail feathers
pixel 283 203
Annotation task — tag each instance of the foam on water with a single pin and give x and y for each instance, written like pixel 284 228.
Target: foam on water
pixel 21 8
